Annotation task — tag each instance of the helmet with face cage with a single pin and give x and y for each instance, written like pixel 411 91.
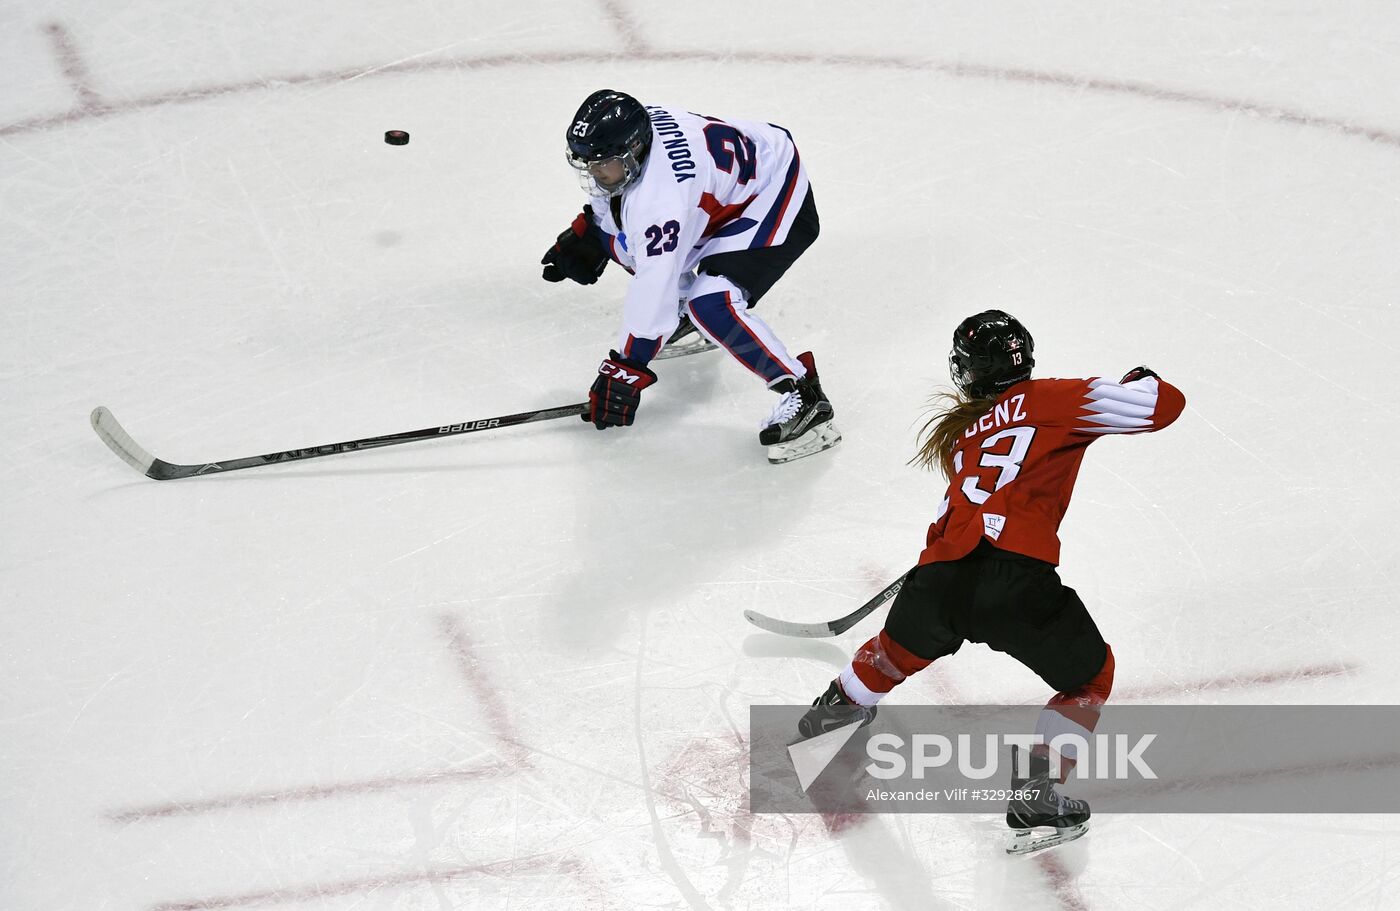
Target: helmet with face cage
pixel 609 127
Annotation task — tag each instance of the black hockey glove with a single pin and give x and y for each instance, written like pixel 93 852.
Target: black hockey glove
pixel 1137 373
pixel 617 392
pixel 578 254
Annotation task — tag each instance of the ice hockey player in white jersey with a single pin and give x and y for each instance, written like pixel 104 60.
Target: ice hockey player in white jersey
pixel 706 215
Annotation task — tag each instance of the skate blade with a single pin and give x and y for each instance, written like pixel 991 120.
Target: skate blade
pixel 819 438
pixel 690 345
pixel 1028 841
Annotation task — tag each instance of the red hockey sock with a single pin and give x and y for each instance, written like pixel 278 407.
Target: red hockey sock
pixel 1074 712
pixel 877 667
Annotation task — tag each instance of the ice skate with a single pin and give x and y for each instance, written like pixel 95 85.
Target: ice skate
pixel 832 710
pixel 800 424
pixel 685 340
pixel 1044 817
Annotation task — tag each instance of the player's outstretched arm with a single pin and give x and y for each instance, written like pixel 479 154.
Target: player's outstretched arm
pixel 1141 402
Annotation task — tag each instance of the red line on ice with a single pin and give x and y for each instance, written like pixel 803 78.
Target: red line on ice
pixel 1219 682
pixel 1250 776
pixel 1231 681
pixel 502 869
pixel 291 795
pixel 1062 882
pixel 632 40
pixel 487 695
pixel 74 69
pixel 638 52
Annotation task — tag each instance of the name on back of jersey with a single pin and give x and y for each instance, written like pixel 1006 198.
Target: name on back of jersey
pixel 1008 412
pixel 673 142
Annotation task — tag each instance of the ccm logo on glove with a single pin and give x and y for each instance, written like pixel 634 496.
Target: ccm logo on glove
pixel 617 392
pixel 624 375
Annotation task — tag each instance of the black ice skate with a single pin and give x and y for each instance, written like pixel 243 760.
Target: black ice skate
pixel 800 425
pixel 832 710
pixel 685 340
pixel 1041 808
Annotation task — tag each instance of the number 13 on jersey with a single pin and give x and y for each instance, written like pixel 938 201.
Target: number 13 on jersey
pixel 1007 464
pixel 1006 458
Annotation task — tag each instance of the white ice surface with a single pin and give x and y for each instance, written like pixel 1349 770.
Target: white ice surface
pixel 510 671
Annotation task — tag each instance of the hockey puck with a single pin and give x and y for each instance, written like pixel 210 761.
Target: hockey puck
pixel 396 138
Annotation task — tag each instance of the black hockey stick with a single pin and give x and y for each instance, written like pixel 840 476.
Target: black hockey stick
pixel 120 442
pixel 831 627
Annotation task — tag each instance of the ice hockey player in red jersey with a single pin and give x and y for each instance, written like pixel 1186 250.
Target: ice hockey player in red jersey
pixel 1010 447
pixel 706 214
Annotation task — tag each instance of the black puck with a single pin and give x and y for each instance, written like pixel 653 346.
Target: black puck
pixel 396 138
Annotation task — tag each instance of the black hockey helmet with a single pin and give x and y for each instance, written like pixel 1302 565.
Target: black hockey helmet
pixel 609 127
pixel 992 352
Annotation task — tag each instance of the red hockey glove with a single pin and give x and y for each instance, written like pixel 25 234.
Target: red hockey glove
pixel 1137 373
pixel 578 254
pixel 617 392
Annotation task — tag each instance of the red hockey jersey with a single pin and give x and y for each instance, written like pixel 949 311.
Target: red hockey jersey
pixel 1014 470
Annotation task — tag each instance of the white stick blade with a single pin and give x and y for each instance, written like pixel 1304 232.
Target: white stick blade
pixel 119 441
pixel 786 628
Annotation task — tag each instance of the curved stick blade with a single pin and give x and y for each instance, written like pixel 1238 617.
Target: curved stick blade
pixel 119 441
pixel 788 628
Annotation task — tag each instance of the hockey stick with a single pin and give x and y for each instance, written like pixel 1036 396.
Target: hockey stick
pixel 831 627
pixel 120 442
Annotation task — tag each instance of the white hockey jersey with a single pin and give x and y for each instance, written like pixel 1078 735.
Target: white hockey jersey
pixel 708 186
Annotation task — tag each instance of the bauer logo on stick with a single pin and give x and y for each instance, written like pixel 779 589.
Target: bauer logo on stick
pixel 470 425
